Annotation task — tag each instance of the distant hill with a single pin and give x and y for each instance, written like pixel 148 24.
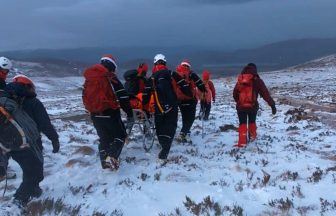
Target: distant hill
pixel 324 63
pixel 47 68
pixel 273 56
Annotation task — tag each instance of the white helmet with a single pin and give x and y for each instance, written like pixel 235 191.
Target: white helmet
pixel 159 57
pixel 5 63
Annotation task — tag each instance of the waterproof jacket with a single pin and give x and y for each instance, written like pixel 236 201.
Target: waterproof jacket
pixel 36 110
pixel 212 89
pixel 210 94
pixel 194 82
pixel 259 88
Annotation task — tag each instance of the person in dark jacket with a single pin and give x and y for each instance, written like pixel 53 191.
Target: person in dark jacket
pixel 166 104
pixel 247 103
pixel 135 85
pixel 5 66
pixel 30 163
pixel 36 110
pixel 187 104
pixel 136 79
pixel 108 122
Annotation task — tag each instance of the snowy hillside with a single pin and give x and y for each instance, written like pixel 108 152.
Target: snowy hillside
pixel 328 62
pixel 289 170
pixel 47 68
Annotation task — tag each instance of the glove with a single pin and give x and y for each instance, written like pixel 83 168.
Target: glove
pixel 274 110
pixel 56 146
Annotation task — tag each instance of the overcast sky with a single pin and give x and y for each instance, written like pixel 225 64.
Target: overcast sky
pixel 225 23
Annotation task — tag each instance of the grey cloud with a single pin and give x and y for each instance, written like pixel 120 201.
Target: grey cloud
pixel 217 23
pixel 221 1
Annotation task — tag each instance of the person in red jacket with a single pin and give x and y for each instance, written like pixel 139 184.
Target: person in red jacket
pixel 103 96
pixel 207 97
pixel 245 93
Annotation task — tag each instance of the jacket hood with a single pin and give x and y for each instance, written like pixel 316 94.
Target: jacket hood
pixel 250 70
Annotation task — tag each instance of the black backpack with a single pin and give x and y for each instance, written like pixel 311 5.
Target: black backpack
pixel 130 75
pixel 132 82
pixel 17 130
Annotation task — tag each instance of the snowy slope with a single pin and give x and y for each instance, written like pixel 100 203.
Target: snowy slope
pixel 327 62
pixel 289 170
pixel 47 68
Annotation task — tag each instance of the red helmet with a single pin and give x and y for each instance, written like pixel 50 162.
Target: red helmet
pixel 22 79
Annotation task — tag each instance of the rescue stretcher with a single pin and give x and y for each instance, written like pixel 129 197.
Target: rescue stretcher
pixel 143 129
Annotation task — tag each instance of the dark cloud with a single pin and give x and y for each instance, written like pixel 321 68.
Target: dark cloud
pixel 220 1
pixel 217 23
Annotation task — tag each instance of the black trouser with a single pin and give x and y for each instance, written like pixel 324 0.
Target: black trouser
pixel 3 164
pixel 188 112
pixel 243 115
pixel 165 130
pixel 111 132
pixel 205 109
pixel 32 169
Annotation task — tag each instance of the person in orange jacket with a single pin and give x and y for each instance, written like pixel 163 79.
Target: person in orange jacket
pixel 249 86
pixel 208 96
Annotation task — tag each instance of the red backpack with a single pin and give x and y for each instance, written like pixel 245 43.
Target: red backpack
pixel 247 95
pixel 98 94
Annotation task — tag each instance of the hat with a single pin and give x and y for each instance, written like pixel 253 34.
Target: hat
pixel 186 63
pixel 109 58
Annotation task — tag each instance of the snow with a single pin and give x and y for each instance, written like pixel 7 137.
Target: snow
pixel 289 149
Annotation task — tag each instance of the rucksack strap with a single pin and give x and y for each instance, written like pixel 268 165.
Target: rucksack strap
pixel 156 97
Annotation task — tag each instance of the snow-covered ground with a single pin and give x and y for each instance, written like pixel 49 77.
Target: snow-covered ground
pixel 289 170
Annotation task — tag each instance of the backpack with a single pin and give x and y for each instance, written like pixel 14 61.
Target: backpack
pixel 163 92
pixel 247 95
pixel 17 130
pixel 132 85
pixel 130 75
pixel 98 93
